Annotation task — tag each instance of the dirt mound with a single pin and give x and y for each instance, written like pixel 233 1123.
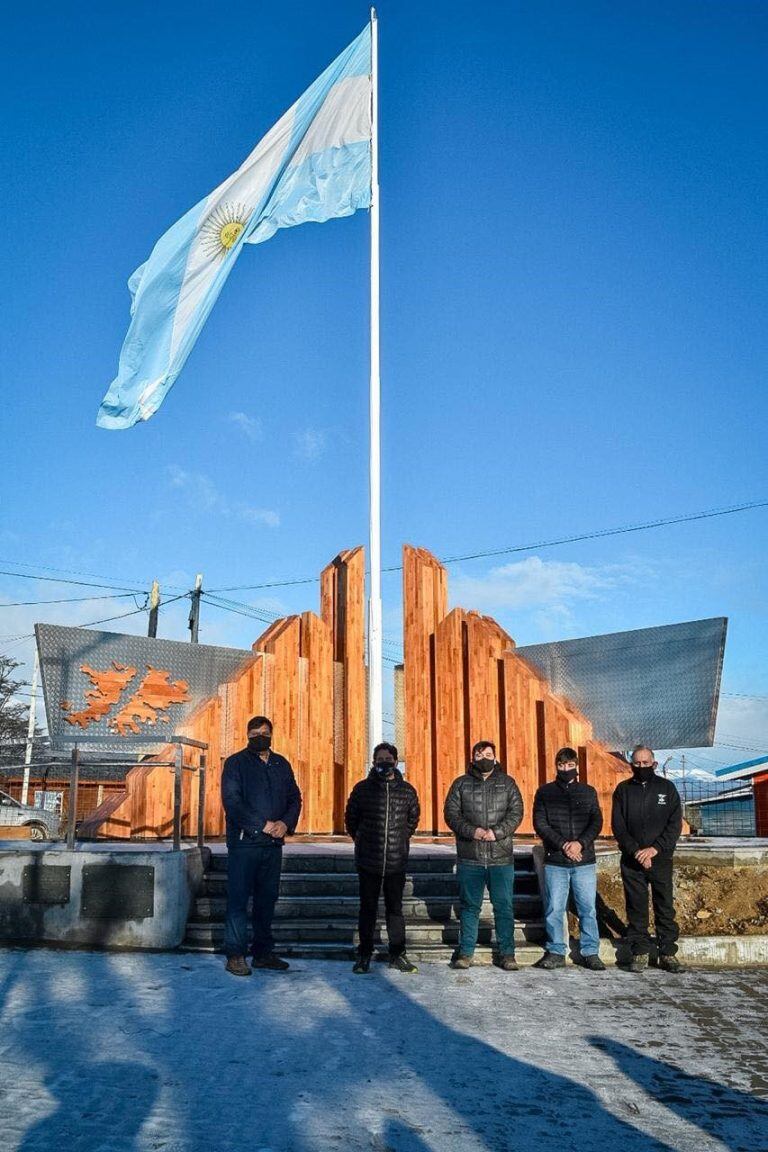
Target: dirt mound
pixel 713 901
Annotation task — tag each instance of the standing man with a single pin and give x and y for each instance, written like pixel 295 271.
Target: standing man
pixel 262 803
pixel 381 816
pixel 567 818
pixel 647 822
pixel 483 809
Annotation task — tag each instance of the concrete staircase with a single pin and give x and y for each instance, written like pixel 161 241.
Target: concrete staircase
pixel 316 914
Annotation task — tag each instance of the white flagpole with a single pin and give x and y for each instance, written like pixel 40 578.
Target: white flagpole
pixel 375 687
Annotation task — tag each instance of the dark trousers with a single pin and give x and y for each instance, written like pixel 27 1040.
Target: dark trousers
pixel 499 879
pixel 637 880
pixel 371 884
pixel 253 873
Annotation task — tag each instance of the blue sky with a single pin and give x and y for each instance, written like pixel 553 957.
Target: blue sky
pixel 574 284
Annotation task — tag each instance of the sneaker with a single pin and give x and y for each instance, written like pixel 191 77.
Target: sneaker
pixel 270 961
pixel 508 963
pixel 237 966
pixel 639 963
pixel 593 963
pixel 670 964
pixel 462 962
pixel 362 965
pixel 402 964
pixel 549 961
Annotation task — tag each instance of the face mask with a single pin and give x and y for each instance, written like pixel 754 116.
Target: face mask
pixel 567 775
pixel 642 774
pixel 384 767
pixel 485 765
pixel 259 743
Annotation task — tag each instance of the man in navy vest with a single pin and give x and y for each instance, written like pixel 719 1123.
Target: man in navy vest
pixel 262 803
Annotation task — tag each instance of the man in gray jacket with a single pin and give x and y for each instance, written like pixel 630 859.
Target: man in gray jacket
pixel 483 809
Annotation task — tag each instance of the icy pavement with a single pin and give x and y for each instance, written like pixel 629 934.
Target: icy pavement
pixel 117 1052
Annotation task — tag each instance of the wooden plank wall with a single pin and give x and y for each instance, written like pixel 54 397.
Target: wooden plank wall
pixel 342 606
pixel 425 604
pixel 307 674
pixel 463 683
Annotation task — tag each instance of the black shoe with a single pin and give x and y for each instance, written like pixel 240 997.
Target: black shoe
pixel 639 963
pixel 402 964
pixel 670 964
pixel 593 963
pixel 270 961
pixel 549 961
pixel 362 965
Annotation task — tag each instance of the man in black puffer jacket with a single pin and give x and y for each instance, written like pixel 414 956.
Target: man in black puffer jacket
pixel 483 809
pixel 567 817
pixel 382 815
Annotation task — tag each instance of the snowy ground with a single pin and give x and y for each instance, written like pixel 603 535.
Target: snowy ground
pixel 116 1052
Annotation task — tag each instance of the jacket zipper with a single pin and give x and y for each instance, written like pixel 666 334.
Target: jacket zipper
pixel 386 835
pixel 486 846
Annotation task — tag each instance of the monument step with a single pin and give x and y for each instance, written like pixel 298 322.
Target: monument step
pixel 527 953
pixel 344 862
pixel 442 908
pixel 344 932
pixel 425 885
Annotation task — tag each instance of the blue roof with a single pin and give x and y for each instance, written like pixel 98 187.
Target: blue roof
pixel 747 768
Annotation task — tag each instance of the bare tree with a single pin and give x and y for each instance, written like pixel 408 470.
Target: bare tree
pixel 14 715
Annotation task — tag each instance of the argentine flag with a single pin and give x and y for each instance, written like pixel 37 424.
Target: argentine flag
pixel 314 164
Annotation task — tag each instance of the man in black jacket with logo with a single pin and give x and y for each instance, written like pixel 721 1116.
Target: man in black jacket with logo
pixel 567 817
pixel 647 821
pixel 262 803
pixel 381 816
pixel 483 809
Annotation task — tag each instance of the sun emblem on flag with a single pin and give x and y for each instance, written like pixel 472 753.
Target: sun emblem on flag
pixel 223 228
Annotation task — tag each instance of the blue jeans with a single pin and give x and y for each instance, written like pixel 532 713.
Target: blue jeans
pixel 253 871
pixel 582 881
pixel 500 880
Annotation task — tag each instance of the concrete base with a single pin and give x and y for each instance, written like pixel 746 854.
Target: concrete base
pixel 80 898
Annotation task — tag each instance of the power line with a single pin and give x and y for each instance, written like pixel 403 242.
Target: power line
pixel 105 620
pixel 599 533
pixel 80 583
pixel 71 571
pixel 508 551
pixel 66 600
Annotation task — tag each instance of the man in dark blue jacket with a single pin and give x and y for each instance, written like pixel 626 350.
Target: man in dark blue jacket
pixel 262 802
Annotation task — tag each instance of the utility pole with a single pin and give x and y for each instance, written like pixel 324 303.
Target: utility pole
pixel 30 730
pixel 194 612
pixel 154 609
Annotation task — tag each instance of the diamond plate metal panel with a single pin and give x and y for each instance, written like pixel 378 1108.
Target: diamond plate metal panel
pixel 65 652
pixel 657 685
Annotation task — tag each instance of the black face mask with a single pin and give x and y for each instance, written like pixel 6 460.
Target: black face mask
pixel 643 774
pixel 485 766
pixel 259 743
pixel 384 767
pixel 567 775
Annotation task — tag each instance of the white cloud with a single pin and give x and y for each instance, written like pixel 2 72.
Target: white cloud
pixel 205 494
pixel 248 425
pixel 310 443
pixel 534 583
